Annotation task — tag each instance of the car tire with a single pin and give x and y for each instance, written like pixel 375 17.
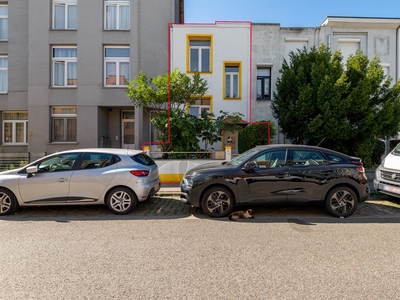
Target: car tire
pixel 8 202
pixel 218 202
pixel 341 202
pixel 121 201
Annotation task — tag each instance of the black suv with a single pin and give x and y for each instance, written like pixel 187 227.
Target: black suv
pixel 278 174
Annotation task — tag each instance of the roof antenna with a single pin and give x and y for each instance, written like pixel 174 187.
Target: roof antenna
pixel 320 142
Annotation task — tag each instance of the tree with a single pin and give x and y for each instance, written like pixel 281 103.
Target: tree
pixel 319 101
pixel 152 94
pixel 180 130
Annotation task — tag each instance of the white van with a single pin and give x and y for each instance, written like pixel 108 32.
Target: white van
pixel 387 175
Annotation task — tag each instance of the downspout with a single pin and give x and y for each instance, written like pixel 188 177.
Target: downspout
pixel 251 72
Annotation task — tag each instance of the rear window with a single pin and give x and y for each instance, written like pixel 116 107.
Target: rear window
pixel 144 159
pixel 334 158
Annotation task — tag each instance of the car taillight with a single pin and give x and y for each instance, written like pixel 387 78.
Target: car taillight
pixel 360 166
pixel 140 173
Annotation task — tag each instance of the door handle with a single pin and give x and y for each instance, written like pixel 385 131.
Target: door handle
pixel 62 179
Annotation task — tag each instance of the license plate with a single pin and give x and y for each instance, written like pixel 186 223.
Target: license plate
pixel 391 189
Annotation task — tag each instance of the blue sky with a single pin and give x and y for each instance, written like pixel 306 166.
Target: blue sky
pixel 297 13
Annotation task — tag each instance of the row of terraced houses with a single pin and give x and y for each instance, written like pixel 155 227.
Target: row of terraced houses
pixel 64 64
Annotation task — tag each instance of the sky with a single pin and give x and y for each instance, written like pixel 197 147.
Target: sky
pixel 288 13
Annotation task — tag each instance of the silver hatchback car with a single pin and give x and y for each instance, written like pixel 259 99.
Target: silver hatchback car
pixel 118 178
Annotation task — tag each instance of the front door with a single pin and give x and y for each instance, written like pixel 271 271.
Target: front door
pixel 128 129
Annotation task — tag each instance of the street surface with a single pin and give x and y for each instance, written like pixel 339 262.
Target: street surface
pixel 167 250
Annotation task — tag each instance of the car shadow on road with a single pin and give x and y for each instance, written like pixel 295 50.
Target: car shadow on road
pixel 170 207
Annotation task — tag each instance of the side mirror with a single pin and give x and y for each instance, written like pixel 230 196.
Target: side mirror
pixel 250 165
pixel 31 170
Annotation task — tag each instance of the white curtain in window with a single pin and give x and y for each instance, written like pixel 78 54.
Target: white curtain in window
pixel 59 17
pixel 72 66
pixel 59 73
pixel 4 23
pixel 111 17
pixel 65 52
pixel 124 17
pixel 123 72
pixel 3 74
pixel 72 16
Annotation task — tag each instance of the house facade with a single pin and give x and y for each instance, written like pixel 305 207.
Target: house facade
pixel 63 68
pixel 258 49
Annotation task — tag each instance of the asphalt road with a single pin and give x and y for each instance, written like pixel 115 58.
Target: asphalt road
pixel 164 250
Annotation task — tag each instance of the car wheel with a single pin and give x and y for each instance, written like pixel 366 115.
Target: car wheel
pixel 121 201
pixel 218 202
pixel 341 202
pixel 8 202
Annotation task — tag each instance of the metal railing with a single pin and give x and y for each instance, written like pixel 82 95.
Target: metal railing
pixel 10 161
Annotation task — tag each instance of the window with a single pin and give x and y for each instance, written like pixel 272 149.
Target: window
pixel 64 66
pixel 232 81
pixel 116 65
pixel 271 159
pixel 97 160
pixel 200 54
pixel 3 22
pixel 307 158
pixel 63 124
pixel 15 128
pixel 264 83
pixel 65 14
pixel 3 74
pixel 199 107
pixel 116 15
pixel 60 162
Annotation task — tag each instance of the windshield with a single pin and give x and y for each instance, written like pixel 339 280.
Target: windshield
pixel 397 149
pixel 241 158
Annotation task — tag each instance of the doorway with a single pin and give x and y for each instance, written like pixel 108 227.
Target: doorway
pixel 128 129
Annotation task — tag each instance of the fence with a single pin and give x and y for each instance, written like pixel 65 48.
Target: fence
pixel 15 160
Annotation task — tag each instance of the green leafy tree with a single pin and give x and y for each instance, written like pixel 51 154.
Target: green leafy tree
pixel 180 131
pixel 319 101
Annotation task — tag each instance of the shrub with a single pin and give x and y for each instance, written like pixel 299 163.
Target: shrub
pixel 255 134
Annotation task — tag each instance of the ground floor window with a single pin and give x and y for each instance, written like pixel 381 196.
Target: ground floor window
pixel 15 128
pixel 63 124
pixel 199 107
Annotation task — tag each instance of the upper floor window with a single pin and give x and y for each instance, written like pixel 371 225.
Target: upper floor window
pixel 116 61
pixel 116 14
pixel 199 54
pixel 232 81
pixel 3 22
pixel 15 128
pixel 63 124
pixel 264 83
pixel 199 107
pixel 64 66
pixel 3 74
pixel 65 14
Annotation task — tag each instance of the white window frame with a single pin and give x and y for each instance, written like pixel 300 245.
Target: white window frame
pixel 14 123
pixel 4 30
pixel 65 117
pixel 66 4
pixel 117 61
pixel 117 4
pixel 230 77
pixel 4 68
pixel 200 108
pixel 200 50
pixel 66 61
